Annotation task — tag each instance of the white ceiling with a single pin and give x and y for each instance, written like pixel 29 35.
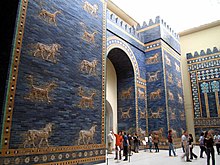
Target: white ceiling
pixel 179 14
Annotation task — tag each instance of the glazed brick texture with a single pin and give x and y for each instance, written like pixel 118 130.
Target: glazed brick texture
pixel 63 111
pixel 153 105
pixel 176 106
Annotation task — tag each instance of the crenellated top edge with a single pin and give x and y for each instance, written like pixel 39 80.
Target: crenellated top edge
pixel 122 24
pixel 202 53
pixel 158 20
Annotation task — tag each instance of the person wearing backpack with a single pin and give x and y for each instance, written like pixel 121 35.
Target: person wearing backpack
pixel 201 144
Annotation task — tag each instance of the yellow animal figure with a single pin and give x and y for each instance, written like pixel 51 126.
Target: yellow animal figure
pixel 89 67
pixel 125 114
pixel 168 62
pixel 153 76
pixel 51 17
pixel 86 101
pixel 170 94
pixel 86 136
pixel 156 115
pixel 155 94
pixel 39 93
pixel 92 9
pixel 90 37
pixel 179 83
pixel 170 77
pixel 126 94
pixel 153 59
pixel 177 67
pixel 180 99
pixel 141 94
pixel 47 51
pixel 172 114
pixel 35 138
pixel 142 114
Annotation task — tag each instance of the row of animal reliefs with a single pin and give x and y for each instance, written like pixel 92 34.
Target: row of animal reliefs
pixel 39 93
pixel 87 100
pixel 39 138
pixel 168 62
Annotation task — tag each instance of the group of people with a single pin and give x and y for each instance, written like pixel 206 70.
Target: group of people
pixel 123 142
pixel 206 143
pixel 126 142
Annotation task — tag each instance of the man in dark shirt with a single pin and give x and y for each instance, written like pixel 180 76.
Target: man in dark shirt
pixel 125 146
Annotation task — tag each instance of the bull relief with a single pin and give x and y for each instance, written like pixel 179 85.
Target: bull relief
pixel 155 95
pixel 153 60
pixel 48 17
pixel 89 37
pixel 86 101
pixel 153 76
pixel 39 93
pixel 46 52
pixel 89 67
pixel 125 114
pixel 87 136
pixel 126 94
pixel 38 138
pixel 91 9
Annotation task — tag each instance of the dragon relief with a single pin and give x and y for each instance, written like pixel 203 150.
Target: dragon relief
pixel 156 115
pixel 39 93
pixel 86 101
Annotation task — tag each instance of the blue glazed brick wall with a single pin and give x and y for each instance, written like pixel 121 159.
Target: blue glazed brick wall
pixel 64 110
pixel 176 105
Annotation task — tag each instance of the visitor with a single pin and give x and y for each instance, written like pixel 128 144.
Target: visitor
pixel 217 142
pixel 125 146
pixel 201 144
pixel 186 146
pixel 156 142
pixel 110 141
pixel 150 142
pixel 170 141
pixel 209 142
pixel 130 143
pixel 118 145
pixel 136 143
pixel 191 147
pixel 182 142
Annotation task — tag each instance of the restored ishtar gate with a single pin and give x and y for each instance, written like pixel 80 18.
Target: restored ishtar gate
pixel 56 109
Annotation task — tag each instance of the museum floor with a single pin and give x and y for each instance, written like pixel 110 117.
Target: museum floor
pixel 161 158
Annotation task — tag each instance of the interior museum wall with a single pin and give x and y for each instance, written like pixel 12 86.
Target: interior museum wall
pixel 111 90
pixel 190 43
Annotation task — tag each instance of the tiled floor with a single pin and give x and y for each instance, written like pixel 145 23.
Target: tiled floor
pixel 161 158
